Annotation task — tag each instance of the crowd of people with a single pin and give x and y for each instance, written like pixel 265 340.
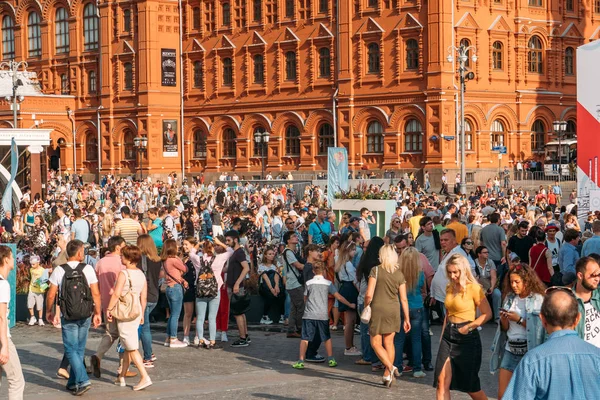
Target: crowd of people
pixel 123 253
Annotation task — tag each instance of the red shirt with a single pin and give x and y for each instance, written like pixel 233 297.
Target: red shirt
pixel 107 269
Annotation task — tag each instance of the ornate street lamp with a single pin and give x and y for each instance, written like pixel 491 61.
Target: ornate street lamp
pixel 141 144
pixel 262 139
pixel 560 128
pixel 12 68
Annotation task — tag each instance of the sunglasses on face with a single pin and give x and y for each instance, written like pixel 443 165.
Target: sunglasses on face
pixel 469 243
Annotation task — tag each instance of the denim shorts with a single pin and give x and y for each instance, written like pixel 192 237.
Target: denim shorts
pixel 510 361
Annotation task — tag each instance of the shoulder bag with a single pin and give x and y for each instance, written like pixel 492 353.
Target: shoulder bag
pixel 324 236
pixel 299 277
pixel 365 316
pixel 127 307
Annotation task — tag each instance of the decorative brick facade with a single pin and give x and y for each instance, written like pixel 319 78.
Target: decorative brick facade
pixel 372 76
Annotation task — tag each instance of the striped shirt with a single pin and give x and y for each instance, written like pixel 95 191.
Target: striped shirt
pixel 128 229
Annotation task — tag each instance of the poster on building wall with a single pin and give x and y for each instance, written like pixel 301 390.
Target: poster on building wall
pixel 169 67
pixel 169 135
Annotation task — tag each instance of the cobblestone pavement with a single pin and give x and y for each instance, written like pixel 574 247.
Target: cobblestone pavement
pixel 261 371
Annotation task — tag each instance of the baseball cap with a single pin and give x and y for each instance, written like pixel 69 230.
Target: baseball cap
pixel 293 213
pixel 552 226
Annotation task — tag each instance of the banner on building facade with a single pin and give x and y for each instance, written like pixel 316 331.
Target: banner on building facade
pixel 169 136
pixel 588 130
pixel 337 172
pixel 169 67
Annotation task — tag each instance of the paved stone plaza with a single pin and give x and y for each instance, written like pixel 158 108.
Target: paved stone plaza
pixel 261 371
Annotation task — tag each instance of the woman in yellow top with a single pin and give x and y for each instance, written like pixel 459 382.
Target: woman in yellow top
pixel 459 356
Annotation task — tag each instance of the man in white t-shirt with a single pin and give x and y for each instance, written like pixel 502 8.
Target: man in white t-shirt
pixel 75 332
pixel 9 358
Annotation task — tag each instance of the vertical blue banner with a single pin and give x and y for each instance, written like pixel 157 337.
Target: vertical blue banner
pixel 14 167
pixel 337 172
pixel 12 282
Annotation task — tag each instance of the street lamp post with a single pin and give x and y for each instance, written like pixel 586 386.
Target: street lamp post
pixel 12 68
pixel 559 128
pixel 141 144
pixel 462 53
pixel 261 139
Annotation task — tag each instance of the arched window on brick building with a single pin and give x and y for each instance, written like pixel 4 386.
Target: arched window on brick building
pixel 90 27
pixel 535 55
pixel 290 66
pixel 498 132
pixel 497 55
pixel 228 141
pixel 413 136
pixel 326 138
pixel 468 136
pixel 259 69
pixel 91 146
pixel 227 72
pixel 292 141
pixel 199 144
pixel 8 38
pixel 324 62
pixel 569 61
pixel 62 31
pixel 374 137
pixel 128 145
pixel 198 74
pixel 538 136
pixel 34 34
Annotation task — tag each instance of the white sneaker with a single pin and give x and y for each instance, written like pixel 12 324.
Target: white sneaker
pixel 263 321
pixel 32 321
pixel 224 337
pixel 41 322
pixel 196 341
pixel 281 320
pixel 352 351
pixel 266 321
pixel 419 374
pixel 176 344
pixel 186 340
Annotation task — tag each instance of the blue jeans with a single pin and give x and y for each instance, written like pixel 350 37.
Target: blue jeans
pixel 175 299
pixel 213 307
pixel 416 323
pixel 144 332
pixel 74 336
pixel 365 340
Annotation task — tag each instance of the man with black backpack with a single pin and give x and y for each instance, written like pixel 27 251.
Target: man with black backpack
pixel 294 284
pixel 78 297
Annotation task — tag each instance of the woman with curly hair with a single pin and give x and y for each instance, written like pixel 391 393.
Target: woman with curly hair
pixel 520 328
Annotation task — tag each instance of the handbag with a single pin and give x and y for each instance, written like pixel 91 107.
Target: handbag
pixel 365 316
pixel 127 307
pixel 324 236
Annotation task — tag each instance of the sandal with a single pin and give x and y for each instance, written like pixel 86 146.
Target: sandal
pixel 362 361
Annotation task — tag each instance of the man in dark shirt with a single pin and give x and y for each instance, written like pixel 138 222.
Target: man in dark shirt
pixel 521 243
pixel 7 222
pixel 236 273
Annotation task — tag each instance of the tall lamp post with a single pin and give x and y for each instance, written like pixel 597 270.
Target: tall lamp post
pixel 462 53
pixel 261 139
pixel 141 144
pixel 12 69
pixel 560 128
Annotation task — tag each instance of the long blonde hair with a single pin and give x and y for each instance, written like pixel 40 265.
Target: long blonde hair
pixel 108 224
pixel 411 267
pixel 466 276
pixel 147 247
pixel 388 258
pixel 344 254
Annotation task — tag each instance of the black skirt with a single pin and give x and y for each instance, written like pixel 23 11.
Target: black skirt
pixel 349 292
pixel 464 352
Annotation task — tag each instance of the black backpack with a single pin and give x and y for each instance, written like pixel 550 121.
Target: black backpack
pixel 75 298
pixel 206 284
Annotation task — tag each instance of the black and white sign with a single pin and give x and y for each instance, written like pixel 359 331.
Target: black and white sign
pixel 169 67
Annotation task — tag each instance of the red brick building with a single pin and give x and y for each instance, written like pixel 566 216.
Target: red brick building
pixel 372 76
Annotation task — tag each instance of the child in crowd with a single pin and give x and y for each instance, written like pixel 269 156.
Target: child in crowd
pixel 37 287
pixel 315 320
